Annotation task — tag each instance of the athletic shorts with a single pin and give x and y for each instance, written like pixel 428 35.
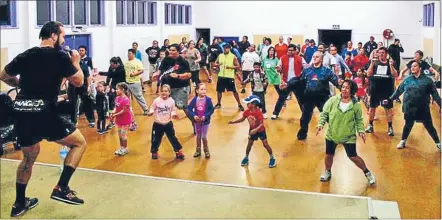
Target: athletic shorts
pixel 245 74
pixel 261 135
pixel 382 100
pixel 32 128
pixel 330 148
pixel 225 84
pixel 180 96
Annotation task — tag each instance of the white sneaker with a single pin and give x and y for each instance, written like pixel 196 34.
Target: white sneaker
pixel 118 151
pixel 274 117
pixel 264 115
pixel 438 145
pixel 401 144
pixel 122 152
pixel 325 176
pixel 370 177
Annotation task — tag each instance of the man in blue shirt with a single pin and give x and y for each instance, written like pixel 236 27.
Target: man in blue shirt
pixel 310 50
pixel 138 55
pixel 317 91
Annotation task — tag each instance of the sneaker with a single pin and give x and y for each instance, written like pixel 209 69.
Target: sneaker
pixel 390 131
pixel 218 106
pixel 241 108
pixel 197 154
pixel 145 112
pixel 110 126
pixel 289 97
pixel 272 162
pixel 91 124
pixel 122 151
pixel 245 161
pixel 264 115
pixel 243 90
pixel 369 129
pixel 302 134
pixel 179 155
pixel 438 145
pixel 274 117
pixel 18 210
pixel 155 156
pixel 66 195
pixel 401 145
pixel 207 154
pixel 325 176
pixel 370 177
pixel 101 132
pixel 133 126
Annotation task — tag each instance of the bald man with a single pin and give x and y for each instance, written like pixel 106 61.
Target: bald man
pixel 317 92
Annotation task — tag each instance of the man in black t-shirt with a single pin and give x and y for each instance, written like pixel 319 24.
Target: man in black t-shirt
pixel 426 68
pixel 214 51
pixel 382 74
pixel 41 71
pixel 153 53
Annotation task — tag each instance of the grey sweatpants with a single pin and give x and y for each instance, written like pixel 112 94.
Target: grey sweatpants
pixel 135 89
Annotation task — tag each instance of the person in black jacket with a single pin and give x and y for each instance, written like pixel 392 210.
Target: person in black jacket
pixel 102 107
pixel 395 51
pixel 243 45
pixel 370 46
pixel 115 75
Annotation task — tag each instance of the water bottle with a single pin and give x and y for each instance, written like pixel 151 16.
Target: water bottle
pixel 63 152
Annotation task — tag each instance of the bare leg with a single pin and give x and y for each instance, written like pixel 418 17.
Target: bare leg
pixel 24 170
pixel 359 162
pixel 389 114
pixel 267 147
pixel 235 94
pixel 249 147
pixel 219 96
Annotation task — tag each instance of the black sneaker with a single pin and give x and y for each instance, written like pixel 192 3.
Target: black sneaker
pixel 218 106
pixel 302 134
pixel 18 210
pixel 243 90
pixel 66 195
pixel 390 131
pixel 145 112
pixel 241 108
pixel 91 124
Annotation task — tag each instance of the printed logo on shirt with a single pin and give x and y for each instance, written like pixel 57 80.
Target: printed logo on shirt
pixel 382 70
pixel 165 109
pixel 314 77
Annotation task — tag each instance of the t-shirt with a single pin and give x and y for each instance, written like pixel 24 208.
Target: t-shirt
pixel 344 106
pixel 214 51
pixel 153 53
pixel 87 61
pixel 138 55
pixel 258 83
pixel 281 50
pixel 255 119
pixel 359 62
pixel 132 66
pixel 265 51
pixel 382 82
pixel 424 66
pixel 269 66
pixel 361 86
pixel 191 56
pixel 174 65
pixel 163 110
pixel 248 59
pixel 201 106
pixel 122 102
pixel 41 72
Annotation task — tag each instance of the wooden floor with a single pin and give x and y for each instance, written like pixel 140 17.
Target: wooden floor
pixel 410 176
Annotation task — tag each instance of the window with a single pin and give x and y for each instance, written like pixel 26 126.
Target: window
pixel 141 12
pixel 120 12
pixel 428 19
pixel 180 14
pixel 188 15
pixel 80 12
pixel 167 14
pixel 130 12
pixel 43 11
pixel 152 15
pixel 7 13
pixel 173 14
pixel 95 11
pixel 62 11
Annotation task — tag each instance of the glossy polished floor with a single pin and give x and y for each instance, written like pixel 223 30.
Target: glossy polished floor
pixel 410 176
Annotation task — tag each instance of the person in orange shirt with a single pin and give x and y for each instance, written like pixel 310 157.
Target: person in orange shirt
pixel 281 48
pixel 360 61
pixel 304 47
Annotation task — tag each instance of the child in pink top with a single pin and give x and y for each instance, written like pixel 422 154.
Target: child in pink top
pixel 164 109
pixel 122 116
pixel 362 83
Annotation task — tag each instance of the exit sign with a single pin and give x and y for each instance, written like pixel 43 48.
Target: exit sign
pixel 336 26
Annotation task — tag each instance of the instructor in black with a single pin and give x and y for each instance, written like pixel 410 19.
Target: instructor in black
pixel 41 71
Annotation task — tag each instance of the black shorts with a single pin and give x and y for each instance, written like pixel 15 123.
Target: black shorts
pixel 225 84
pixel 382 100
pixel 330 148
pixel 32 128
pixel 261 135
pixel 245 74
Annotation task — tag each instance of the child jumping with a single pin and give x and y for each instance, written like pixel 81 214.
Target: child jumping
pixel 259 85
pixel 102 106
pixel 122 116
pixel 257 129
pixel 200 110
pixel 164 109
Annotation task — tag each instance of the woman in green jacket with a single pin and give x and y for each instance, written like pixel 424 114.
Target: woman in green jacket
pixel 344 116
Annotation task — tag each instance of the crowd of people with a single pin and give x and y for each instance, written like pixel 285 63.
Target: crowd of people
pixel 365 76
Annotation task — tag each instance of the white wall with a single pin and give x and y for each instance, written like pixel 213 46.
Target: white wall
pixel 434 32
pixel 107 41
pixel 237 18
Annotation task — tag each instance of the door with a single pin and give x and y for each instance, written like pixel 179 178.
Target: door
pixel 339 38
pixel 205 34
pixel 76 40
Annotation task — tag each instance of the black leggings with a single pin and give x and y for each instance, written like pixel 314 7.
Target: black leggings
pixel 330 148
pixel 428 124
pixel 195 76
pixel 101 122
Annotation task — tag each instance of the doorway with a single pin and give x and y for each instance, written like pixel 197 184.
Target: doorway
pixel 205 34
pixel 76 40
pixel 339 38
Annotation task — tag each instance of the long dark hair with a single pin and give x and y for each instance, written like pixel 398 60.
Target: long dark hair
pixel 116 60
pixel 268 53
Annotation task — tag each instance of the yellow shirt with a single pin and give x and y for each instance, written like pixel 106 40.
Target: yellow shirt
pixel 133 66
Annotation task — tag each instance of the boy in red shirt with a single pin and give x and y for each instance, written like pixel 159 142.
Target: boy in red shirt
pixel 257 130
